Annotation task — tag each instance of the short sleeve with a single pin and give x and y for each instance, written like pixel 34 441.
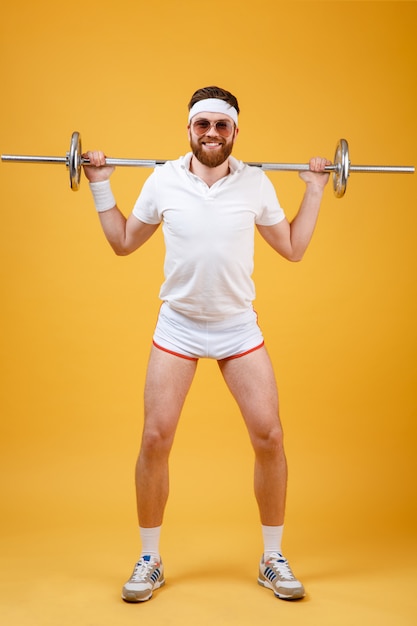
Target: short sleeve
pixel 271 211
pixel 146 206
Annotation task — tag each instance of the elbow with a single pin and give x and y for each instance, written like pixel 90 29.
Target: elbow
pixel 121 250
pixel 295 257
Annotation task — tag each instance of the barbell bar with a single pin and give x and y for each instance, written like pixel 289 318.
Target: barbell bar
pixel 341 167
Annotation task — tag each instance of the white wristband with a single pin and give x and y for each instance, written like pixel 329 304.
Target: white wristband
pixel 102 195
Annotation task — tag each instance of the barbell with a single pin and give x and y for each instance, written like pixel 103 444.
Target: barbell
pixel 341 168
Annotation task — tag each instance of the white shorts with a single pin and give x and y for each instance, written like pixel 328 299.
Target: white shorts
pixel 193 339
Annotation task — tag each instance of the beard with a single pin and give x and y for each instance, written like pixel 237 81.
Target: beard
pixel 211 158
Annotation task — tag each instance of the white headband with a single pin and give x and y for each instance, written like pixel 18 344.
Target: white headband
pixel 213 105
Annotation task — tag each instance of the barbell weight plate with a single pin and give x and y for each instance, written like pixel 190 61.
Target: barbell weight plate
pixel 342 165
pixel 74 161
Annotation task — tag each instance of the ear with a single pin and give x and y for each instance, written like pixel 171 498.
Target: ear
pixel 189 131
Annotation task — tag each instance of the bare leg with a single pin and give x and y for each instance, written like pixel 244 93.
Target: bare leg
pixel 252 382
pixel 167 383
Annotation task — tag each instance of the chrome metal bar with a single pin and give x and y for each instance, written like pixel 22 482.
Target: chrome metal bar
pixel 150 163
pixel 382 169
pixel 20 158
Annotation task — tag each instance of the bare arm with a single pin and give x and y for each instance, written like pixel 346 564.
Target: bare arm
pixel 124 235
pixel 291 240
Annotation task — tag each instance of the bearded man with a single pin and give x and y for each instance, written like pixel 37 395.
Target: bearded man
pixel 209 204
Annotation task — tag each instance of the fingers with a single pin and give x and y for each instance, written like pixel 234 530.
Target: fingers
pixel 316 174
pixel 317 164
pixel 96 169
pixel 96 157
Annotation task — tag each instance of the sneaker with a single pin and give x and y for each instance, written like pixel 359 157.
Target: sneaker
pixel 148 574
pixel 276 574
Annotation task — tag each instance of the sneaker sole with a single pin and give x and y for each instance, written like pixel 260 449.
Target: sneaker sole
pixel 294 596
pixel 131 597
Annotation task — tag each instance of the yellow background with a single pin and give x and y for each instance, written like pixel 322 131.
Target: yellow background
pixel 77 321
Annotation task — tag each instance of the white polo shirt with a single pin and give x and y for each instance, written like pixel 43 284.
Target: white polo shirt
pixel 209 234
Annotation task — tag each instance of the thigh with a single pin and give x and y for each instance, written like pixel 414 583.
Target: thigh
pixel 168 380
pixel 251 380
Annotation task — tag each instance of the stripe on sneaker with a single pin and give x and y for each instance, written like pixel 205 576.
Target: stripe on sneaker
pixel 155 575
pixel 270 574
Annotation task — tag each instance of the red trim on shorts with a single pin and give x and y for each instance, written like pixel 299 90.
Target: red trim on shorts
pixel 237 356
pixel 182 356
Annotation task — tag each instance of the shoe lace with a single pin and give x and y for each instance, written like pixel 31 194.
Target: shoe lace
pixel 141 571
pixel 281 565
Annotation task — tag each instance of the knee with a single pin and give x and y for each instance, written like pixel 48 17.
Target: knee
pixel 156 441
pixel 268 442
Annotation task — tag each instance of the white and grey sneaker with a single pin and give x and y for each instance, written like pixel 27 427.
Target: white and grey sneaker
pixel 275 573
pixel 148 574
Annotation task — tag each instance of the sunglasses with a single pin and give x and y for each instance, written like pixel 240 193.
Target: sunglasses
pixel 224 128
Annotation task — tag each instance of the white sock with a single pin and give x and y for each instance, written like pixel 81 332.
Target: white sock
pixel 150 540
pixel 272 536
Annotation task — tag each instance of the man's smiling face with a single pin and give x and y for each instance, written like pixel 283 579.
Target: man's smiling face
pixel 210 148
